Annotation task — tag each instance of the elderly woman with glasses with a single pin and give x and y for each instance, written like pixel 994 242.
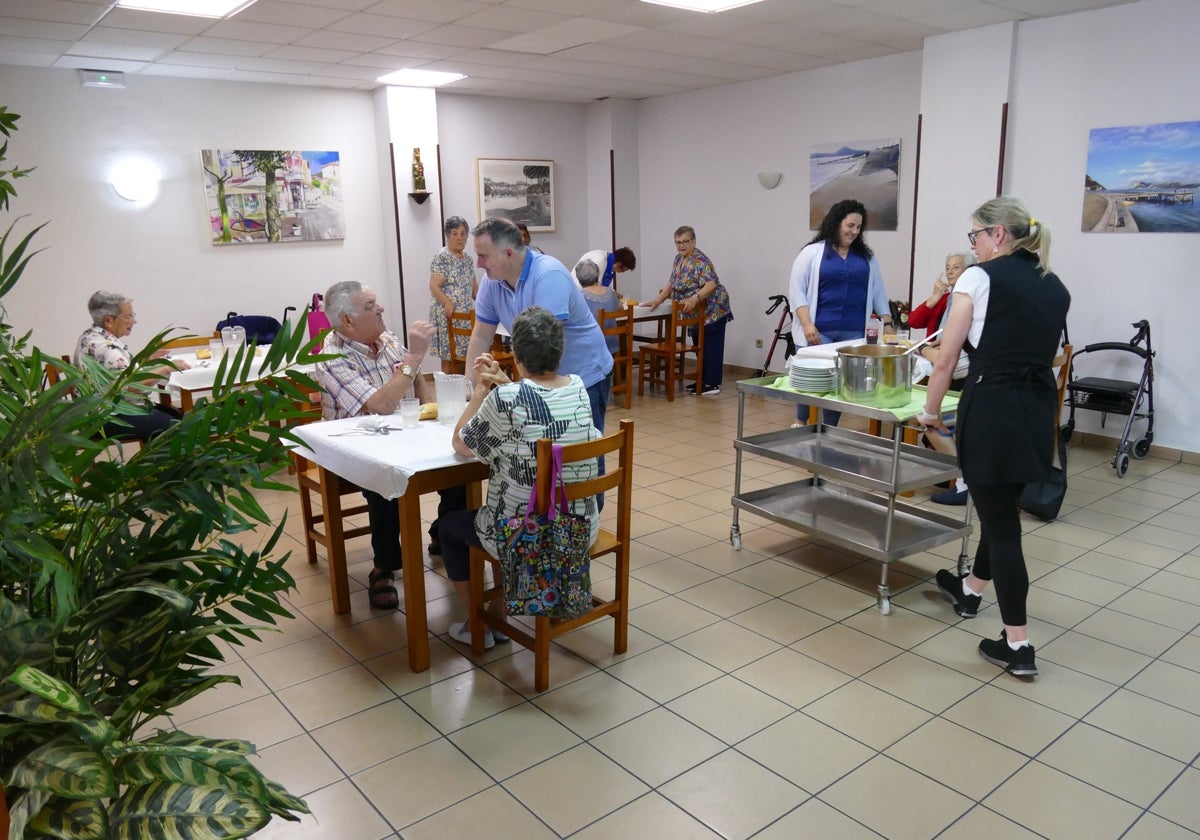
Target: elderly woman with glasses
pixel 1009 312
pixel 693 282
pixel 453 284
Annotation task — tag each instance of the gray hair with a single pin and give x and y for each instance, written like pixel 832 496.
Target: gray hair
pixel 967 257
pixel 104 304
pixel 338 300
pixel 537 341
pixel 587 273
pixel 454 223
pixel 502 232
pixel 1027 233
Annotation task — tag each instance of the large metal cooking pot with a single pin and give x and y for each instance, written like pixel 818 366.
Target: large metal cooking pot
pixel 878 375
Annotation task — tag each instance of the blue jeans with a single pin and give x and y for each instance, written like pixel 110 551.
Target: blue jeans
pixel 598 395
pixel 830 417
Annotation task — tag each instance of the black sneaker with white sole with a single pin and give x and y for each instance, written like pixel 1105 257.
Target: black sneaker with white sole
pixel 951 585
pixel 1019 662
pixel 691 389
pixel 710 390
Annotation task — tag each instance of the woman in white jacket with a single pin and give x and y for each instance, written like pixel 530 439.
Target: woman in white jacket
pixel 836 284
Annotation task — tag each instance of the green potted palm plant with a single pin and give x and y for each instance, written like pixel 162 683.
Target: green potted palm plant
pixel 118 574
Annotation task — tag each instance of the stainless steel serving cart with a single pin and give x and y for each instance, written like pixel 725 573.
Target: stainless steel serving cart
pixel 849 499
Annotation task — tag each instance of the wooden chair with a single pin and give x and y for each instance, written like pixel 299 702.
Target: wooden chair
pixel 1063 362
pixel 663 362
pixel 54 375
pixel 463 324
pixel 189 341
pixel 616 543
pixel 622 328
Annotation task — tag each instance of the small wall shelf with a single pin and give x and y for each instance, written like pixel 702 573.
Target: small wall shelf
pixel 419 197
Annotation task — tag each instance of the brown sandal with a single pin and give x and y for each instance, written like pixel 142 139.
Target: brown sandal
pixel 381 594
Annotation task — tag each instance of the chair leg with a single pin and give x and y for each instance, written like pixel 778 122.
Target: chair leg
pixel 541 654
pixel 477 605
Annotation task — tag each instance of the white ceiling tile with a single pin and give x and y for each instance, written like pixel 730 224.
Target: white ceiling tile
pixel 134 38
pixel 453 35
pixel 562 36
pixel 278 65
pixel 186 72
pixel 383 25
pixel 108 52
pixel 223 46
pixel 562 7
pixel 196 59
pixel 510 19
pixel 330 40
pixel 120 18
pixel 439 11
pixel 298 53
pixel 46 30
pixel 346 71
pixel 27 59
pixel 292 14
pixel 419 50
pixel 57 11
pixel 33 45
pixel 85 63
pixel 345 5
pixel 270 33
pixel 384 62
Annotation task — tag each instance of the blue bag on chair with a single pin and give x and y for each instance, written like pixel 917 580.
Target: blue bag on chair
pixel 260 329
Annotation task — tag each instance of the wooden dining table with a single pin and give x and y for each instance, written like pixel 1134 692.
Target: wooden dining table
pixel 374 453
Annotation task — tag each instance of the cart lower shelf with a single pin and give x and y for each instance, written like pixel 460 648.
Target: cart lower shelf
pixel 853 519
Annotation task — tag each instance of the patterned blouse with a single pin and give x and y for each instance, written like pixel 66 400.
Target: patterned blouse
pixel 104 347
pixel 459 287
pixel 688 275
pixel 504 433
pixel 348 381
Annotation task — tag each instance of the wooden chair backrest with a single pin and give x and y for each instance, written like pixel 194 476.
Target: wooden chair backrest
pixel 622 328
pixel 1063 362
pixel 619 471
pixel 460 325
pixel 190 341
pixel 681 322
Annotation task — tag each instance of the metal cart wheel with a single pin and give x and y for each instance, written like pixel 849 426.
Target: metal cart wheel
pixel 1067 431
pixel 1141 447
pixel 1121 464
pixel 735 538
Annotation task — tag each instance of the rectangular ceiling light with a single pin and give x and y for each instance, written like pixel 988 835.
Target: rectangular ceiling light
pixel 708 6
pixel 420 78
pixel 196 8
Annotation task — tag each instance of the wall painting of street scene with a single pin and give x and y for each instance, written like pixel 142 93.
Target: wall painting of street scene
pixel 520 190
pixel 866 170
pixel 260 196
pixel 1142 179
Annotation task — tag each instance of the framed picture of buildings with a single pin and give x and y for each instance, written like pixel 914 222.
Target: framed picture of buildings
pixel 260 196
pixel 521 190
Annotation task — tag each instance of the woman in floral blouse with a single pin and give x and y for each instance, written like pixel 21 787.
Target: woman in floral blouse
pixel 453 285
pixel 694 280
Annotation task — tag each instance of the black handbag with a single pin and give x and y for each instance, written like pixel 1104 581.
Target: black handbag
pixel 1043 499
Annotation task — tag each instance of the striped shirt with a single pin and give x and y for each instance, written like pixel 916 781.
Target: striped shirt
pixel 349 381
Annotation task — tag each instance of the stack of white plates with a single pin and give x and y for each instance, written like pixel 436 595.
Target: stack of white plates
pixel 818 376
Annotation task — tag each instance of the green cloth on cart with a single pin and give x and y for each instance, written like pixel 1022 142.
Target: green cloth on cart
pixel 914 406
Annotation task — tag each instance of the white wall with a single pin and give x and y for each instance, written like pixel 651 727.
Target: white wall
pixel 1126 65
pixel 160 253
pixel 699 158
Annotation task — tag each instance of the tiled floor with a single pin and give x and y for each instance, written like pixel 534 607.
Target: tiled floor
pixel 762 695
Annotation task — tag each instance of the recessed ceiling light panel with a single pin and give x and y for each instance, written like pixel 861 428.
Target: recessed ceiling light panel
pixel 708 6
pixel 195 8
pixel 419 78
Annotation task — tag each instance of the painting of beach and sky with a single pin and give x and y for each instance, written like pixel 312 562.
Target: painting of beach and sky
pixel 1143 179
pixel 868 170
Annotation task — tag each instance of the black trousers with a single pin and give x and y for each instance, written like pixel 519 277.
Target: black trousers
pixel 384 517
pixel 1000 558
pixel 143 426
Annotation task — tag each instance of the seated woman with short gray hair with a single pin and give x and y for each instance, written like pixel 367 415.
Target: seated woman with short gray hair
pixel 598 298
pixel 499 426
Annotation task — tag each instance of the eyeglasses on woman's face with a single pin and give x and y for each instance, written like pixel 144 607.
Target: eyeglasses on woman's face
pixel 972 234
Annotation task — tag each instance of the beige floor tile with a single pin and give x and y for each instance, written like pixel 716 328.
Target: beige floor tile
pixel 302 661
pixel 772 576
pixel 673 575
pixel 657 746
pixel 816 558
pixel 805 751
pixel 376 636
pixel 1181 802
pixel 1119 627
pixel 594 643
pixel 896 801
pixel 374 735
pixel 1097 564
pixel 1039 546
pixel 792 677
pixel 665 672
pixel 462 699
pixel 340 805
pixel 1173 610
pixel 732 795
pixel 831 600
pixel 651 815
pixel 720 557
pixel 1010 720
pixel 575 788
pixel 1156 535
pixel 1188 565
pixel 410 787
pixel 298 764
pixel 331 697
pixel 392 668
pixel 517 670
pixel 709 707
pixel 1176 520
pixel 670 618
pixel 922 682
pixel 1134 773
pixel 677 540
pixel 223 696
pixel 1151 827
pixel 1062 610
pixel 723 596
pixel 868 714
pixel 1063 689
pixel 1171 583
pixel 1148 722
pixel 1056 805
pixel 847 649
pixel 513 740
pixel 957 757
pixel 1185 653
pixel 904 628
pixel 980 822
pixel 1066 580
pixel 1094 657
pixel 263 721
pixel 726 645
pixel 479 816
pixel 593 704
pixel 781 621
pixel 1178 687
pixel 814 820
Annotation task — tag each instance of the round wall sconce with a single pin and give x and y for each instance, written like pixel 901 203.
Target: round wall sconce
pixel 135 179
pixel 770 180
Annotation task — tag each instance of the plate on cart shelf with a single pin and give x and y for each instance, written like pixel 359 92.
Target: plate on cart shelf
pixel 799 363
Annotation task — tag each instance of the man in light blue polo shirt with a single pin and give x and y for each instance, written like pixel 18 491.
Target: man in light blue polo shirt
pixel 516 278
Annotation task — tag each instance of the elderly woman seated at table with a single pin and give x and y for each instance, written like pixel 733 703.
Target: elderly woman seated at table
pixel 500 426
pixel 104 342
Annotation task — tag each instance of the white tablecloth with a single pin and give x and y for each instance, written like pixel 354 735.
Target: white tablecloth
pixel 383 463
pixel 203 372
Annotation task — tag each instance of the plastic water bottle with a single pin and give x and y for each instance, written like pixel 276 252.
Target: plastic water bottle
pixel 874 327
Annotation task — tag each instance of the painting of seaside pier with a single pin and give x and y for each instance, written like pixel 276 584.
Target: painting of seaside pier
pixel 1143 179
pixel 867 170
